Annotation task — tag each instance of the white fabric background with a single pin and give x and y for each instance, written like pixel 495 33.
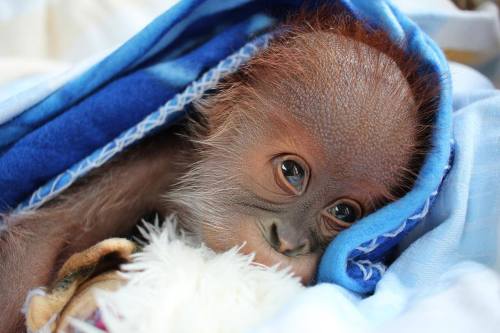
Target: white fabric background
pixel 42 36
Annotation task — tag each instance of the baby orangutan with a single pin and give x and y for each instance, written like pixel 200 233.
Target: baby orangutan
pixel 326 125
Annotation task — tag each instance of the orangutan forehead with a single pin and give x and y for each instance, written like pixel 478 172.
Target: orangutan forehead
pixel 331 83
pixel 332 56
pixel 331 70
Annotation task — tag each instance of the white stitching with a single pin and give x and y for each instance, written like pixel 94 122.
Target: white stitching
pixel 376 242
pixel 367 268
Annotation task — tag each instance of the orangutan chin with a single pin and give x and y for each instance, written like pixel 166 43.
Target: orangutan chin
pixel 326 125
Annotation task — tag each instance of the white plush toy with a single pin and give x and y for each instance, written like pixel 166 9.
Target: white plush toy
pixel 177 285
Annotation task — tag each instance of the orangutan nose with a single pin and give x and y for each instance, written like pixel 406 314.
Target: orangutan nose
pixel 286 240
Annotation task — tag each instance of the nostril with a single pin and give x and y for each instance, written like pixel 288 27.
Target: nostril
pixel 286 240
pixel 274 238
pixel 298 250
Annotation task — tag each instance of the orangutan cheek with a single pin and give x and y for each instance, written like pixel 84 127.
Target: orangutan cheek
pixel 238 230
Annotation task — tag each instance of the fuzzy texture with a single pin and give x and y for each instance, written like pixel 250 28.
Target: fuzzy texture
pixel 177 285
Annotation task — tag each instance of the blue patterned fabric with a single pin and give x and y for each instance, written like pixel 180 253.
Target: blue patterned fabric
pixel 146 84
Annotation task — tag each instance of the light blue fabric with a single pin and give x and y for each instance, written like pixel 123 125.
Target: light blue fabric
pixel 146 84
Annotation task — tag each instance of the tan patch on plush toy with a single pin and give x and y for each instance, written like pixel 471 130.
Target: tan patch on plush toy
pixel 70 295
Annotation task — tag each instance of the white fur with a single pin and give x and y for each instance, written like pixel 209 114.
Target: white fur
pixel 176 285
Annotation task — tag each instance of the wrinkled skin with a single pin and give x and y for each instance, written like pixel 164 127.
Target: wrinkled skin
pixel 343 112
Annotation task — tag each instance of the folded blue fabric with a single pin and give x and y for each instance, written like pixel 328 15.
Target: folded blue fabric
pixel 147 83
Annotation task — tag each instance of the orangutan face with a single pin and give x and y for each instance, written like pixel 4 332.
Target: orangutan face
pixel 320 133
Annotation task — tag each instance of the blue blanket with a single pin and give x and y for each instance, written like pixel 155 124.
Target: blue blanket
pixel 146 85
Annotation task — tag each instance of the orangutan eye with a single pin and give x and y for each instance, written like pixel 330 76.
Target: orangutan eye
pixel 292 174
pixel 342 214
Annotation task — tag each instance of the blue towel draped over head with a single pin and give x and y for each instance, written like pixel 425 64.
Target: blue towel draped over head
pixel 147 83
